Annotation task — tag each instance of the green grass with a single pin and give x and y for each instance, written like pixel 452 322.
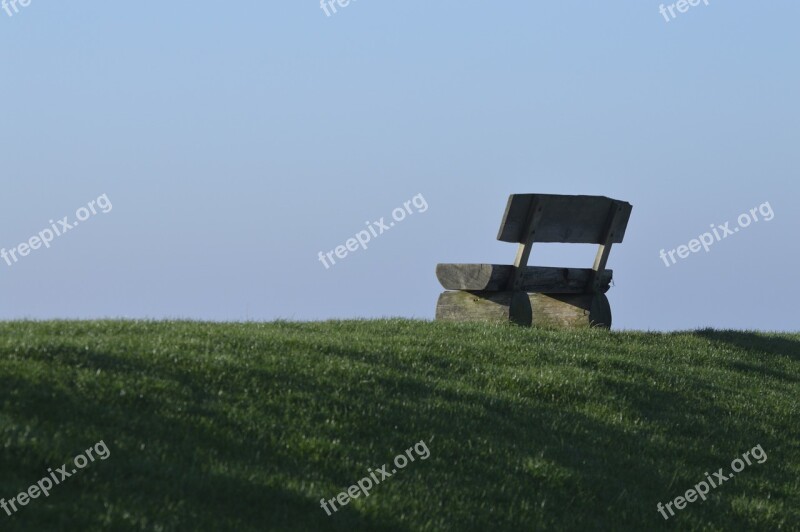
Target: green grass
pixel 247 426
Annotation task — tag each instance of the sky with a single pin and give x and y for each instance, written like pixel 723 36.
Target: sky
pixel 226 145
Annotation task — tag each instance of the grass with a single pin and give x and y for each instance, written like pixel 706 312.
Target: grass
pixel 247 426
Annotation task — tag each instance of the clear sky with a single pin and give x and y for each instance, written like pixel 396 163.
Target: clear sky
pixel 235 141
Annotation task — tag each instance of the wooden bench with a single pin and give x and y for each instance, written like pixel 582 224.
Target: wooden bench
pixel 536 295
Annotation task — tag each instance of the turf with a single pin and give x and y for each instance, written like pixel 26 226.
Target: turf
pixel 247 426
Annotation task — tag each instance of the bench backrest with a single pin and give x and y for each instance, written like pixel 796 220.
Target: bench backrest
pixel 570 219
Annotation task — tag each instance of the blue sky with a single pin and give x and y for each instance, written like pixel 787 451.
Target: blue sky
pixel 237 141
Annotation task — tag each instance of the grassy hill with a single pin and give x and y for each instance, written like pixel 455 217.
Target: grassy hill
pixel 247 426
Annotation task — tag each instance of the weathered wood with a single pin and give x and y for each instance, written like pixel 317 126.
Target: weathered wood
pixel 542 296
pixel 514 307
pixel 569 219
pixel 489 277
pixel 495 277
pixel 540 310
pixel 570 310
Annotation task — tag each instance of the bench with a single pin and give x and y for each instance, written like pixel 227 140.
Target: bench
pixel 537 295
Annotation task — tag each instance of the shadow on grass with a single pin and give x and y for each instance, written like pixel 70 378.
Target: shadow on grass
pixel 505 458
pixel 750 341
pixel 169 468
pixel 567 463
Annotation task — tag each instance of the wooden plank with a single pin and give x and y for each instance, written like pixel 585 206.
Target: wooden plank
pixel 570 310
pixel 495 277
pixel 540 310
pixel 568 219
pixel 513 307
pixel 490 277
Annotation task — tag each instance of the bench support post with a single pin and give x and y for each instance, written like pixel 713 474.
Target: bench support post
pixel 524 249
pixel 604 249
pixel 540 296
